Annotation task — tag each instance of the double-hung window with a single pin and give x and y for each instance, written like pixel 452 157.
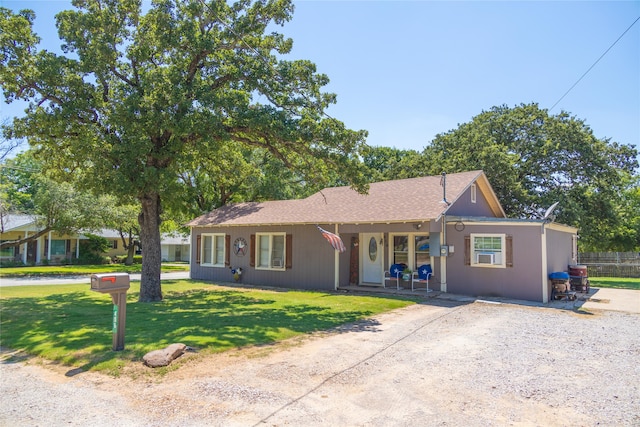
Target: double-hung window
pixel 270 251
pixel 58 247
pixel 488 250
pixel 410 249
pixel 213 250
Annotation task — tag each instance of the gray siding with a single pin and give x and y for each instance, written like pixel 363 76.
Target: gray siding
pixel 313 258
pixel 311 267
pixel 522 281
pixel 463 205
pixel 559 250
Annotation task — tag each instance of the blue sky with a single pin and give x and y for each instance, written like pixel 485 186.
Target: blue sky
pixel 408 70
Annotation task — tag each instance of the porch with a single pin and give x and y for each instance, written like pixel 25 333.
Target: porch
pixel 404 291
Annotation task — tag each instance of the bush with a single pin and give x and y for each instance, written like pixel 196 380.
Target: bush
pixel 12 263
pixel 121 259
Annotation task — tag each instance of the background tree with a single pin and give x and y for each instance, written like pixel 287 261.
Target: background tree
pixel 534 159
pixel 123 219
pixel 386 163
pixel 61 208
pixel 139 98
pixel 7 145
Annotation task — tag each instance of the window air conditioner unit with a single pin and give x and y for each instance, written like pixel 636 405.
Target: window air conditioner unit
pixel 485 258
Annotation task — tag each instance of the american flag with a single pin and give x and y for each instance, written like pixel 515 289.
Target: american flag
pixel 334 239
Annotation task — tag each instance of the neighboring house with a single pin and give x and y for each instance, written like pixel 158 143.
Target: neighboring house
pixel 50 247
pixel 175 248
pixel 116 247
pixel 463 233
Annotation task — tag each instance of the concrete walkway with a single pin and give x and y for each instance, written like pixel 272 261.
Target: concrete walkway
pixel 626 300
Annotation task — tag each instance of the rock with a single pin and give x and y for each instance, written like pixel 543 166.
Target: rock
pixel 157 358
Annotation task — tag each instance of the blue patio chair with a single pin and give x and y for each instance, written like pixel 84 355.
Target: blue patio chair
pixel 394 274
pixel 423 275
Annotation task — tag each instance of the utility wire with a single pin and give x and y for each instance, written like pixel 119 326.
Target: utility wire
pixel 594 64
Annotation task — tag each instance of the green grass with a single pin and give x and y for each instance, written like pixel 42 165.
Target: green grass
pixel 615 282
pixel 70 270
pixel 70 324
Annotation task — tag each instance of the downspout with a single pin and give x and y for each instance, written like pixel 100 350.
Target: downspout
pixel 336 264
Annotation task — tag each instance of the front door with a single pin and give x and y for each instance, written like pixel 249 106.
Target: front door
pixel 32 249
pixel 372 257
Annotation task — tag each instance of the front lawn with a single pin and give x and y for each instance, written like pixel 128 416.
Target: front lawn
pixel 72 325
pixel 78 270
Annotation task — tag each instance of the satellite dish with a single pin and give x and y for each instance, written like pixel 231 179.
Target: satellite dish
pixel 549 211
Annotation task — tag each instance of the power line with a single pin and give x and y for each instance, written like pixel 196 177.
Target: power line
pixel 594 64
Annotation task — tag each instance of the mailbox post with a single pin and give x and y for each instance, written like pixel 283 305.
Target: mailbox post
pixel 115 284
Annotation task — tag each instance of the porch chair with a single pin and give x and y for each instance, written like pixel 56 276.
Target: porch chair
pixel 423 275
pixel 394 274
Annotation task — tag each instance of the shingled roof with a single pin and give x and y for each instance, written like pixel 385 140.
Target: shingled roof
pixel 412 199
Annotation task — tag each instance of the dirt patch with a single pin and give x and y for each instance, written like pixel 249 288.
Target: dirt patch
pixel 432 364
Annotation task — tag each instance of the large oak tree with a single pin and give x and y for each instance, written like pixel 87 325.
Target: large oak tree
pixel 141 95
pixel 534 159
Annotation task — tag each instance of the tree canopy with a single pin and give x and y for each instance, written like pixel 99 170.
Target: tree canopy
pixel 534 159
pixel 141 98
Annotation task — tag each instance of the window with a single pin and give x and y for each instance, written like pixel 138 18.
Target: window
pixel 401 250
pixel 270 251
pixel 213 250
pixel 114 245
pixel 58 247
pixel 473 193
pixel 7 252
pixel 488 250
pixel 421 256
pixel 410 249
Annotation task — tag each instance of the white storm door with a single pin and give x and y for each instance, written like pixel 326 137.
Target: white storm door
pixel 371 257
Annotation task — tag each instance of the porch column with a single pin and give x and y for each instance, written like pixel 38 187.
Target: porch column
pixel 24 252
pixel 543 257
pixel 39 243
pixel 443 258
pixel 336 265
pixel 78 247
pixel 49 248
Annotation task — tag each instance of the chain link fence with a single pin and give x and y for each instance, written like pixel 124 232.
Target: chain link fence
pixel 611 264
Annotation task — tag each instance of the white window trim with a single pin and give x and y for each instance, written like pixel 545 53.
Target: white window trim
pixel 270 264
pixel 473 193
pixel 412 250
pixel 213 236
pixel 503 246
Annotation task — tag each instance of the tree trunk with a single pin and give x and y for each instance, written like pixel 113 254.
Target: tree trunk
pixel 131 249
pixel 149 219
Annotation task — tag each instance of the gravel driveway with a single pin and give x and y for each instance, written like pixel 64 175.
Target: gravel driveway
pixel 439 363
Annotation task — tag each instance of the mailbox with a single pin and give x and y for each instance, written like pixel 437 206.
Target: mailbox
pixel 110 282
pixel 117 285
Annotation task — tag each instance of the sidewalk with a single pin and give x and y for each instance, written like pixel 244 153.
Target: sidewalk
pixel 626 300
pixel 71 280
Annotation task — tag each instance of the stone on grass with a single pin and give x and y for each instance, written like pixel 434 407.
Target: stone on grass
pixel 158 358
